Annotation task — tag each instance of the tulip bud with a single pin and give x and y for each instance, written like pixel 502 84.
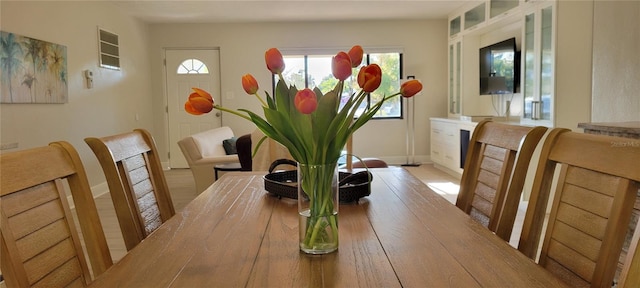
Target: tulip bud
pixel 190 109
pixel 199 102
pixel 410 88
pixel 306 101
pixel 274 60
pixel 355 54
pixel 201 93
pixel 341 66
pixel 370 77
pixel 249 84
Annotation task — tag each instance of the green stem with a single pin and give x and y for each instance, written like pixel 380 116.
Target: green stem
pixel 317 182
pixel 232 112
pixel 261 100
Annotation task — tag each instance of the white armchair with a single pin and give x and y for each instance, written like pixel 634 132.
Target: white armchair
pixel 203 151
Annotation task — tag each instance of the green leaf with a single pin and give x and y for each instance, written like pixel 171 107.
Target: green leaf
pixel 272 105
pixel 275 133
pixel 287 133
pixel 282 98
pixel 322 119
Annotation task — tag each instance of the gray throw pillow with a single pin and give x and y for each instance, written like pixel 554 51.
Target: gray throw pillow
pixel 230 146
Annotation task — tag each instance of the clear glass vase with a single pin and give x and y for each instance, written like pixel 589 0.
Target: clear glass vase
pixel 318 208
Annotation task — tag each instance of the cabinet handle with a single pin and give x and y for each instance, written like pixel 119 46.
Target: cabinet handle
pixel 535 110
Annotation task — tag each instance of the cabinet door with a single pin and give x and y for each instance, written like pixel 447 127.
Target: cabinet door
pixel 474 16
pixel 529 64
pixel 500 7
pixel 547 53
pixel 455 25
pixel 455 72
pixel 538 65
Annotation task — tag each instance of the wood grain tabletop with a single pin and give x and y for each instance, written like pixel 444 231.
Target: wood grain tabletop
pixel 235 234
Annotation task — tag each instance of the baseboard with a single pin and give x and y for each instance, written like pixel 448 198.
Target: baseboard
pixel 400 160
pixel 448 171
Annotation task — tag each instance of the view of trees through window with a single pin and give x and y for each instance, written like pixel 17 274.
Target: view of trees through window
pixel 315 71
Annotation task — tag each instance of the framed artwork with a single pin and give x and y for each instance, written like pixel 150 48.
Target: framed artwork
pixel 32 70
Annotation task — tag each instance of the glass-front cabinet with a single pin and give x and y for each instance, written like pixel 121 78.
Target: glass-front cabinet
pixel 474 16
pixel 538 55
pixel 455 72
pixel 499 7
pixel 455 25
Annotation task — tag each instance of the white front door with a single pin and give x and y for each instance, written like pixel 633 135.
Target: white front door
pixel 184 70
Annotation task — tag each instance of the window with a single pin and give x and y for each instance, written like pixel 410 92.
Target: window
pixel 192 66
pixel 315 71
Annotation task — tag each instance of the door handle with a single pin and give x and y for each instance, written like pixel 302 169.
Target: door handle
pixel 218 114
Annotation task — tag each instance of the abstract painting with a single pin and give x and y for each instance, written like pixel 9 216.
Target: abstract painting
pixel 32 70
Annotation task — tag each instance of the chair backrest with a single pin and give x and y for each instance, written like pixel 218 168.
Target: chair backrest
pixel 40 244
pixel 494 173
pixel 137 184
pixel 592 203
pixel 243 146
pixel 629 276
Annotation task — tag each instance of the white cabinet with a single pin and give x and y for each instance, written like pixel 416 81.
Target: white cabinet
pixel 446 144
pixel 501 7
pixel 455 25
pixel 467 28
pixel 538 64
pixel 455 80
pixel 475 16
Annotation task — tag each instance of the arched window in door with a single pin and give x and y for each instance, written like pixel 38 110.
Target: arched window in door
pixel 192 66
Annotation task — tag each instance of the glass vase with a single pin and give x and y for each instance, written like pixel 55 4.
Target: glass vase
pixel 318 208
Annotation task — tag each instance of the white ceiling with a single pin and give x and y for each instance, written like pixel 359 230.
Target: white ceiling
pixel 219 11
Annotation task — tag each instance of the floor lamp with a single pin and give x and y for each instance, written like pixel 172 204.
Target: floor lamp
pixel 411 127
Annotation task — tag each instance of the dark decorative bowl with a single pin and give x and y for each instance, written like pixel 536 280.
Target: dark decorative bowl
pixel 353 186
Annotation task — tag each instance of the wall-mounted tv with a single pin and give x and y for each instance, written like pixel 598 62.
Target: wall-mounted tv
pixel 499 68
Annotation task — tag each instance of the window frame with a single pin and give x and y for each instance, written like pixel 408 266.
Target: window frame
pixel 311 52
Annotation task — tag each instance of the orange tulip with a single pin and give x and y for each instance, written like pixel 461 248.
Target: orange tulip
pixel 410 88
pixel 190 109
pixel 306 101
pixel 274 60
pixel 201 93
pixel 355 54
pixel 341 66
pixel 199 102
pixel 249 84
pixel 370 77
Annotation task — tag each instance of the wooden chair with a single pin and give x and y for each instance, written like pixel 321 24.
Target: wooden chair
pixel 243 146
pixel 592 204
pixel 137 184
pixel 40 245
pixel 494 172
pixel 630 276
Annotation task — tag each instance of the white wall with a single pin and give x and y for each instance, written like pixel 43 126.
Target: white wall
pixel 242 48
pixel 116 97
pixel 616 63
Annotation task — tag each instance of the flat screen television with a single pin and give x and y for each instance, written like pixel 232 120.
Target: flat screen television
pixel 499 68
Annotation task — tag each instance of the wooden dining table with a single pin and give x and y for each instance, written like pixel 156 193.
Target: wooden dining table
pixel 404 234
